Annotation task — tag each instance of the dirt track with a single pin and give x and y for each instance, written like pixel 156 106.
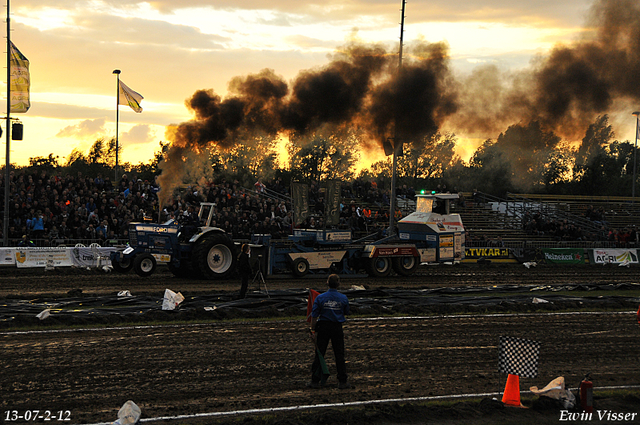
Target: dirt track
pixel 173 370
pixel 35 282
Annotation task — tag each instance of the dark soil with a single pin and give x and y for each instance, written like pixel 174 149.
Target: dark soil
pixel 171 369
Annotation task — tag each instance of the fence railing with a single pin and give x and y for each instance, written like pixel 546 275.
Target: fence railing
pixel 523 204
pixel 551 244
pixel 67 242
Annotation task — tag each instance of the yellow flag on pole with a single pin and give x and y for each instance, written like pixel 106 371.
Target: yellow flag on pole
pixel 130 97
pixel 20 81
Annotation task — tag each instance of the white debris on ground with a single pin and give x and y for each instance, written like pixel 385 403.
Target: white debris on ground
pixel 44 314
pixel 556 390
pixel 128 414
pixel 171 300
pixel 537 300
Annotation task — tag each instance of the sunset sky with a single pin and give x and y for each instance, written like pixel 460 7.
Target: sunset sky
pixel 167 50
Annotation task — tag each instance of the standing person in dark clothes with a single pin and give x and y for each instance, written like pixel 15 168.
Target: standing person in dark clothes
pixel 327 317
pixel 244 268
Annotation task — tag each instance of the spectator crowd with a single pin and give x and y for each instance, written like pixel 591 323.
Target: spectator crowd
pixel 52 210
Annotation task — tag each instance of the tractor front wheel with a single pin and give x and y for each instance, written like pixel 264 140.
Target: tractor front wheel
pixel 144 264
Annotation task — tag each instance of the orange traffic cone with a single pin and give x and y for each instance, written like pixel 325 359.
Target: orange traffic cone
pixel 511 396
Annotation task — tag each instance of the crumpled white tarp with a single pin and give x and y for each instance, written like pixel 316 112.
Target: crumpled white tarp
pixel 556 390
pixel 171 300
pixel 44 314
pixel 537 300
pixel 128 414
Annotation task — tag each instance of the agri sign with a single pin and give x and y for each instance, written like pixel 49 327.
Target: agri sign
pixel 615 256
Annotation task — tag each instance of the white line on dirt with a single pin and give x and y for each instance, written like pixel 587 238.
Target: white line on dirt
pixel 356 319
pixel 345 404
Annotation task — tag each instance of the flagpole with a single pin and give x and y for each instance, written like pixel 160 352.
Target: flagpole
pixel 117 72
pixel 7 167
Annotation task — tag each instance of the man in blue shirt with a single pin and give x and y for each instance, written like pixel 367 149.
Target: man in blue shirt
pixel 327 317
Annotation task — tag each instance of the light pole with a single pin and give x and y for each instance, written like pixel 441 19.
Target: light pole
pixel 394 166
pixel 7 167
pixel 635 154
pixel 117 73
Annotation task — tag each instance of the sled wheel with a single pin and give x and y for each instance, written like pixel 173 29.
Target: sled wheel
pixel 379 266
pixel 405 266
pixel 300 266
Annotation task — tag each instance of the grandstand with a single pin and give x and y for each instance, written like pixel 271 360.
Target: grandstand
pixel 585 221
pixel 87 210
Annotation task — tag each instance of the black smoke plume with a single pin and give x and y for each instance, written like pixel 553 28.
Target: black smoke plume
pixel 566 89
pixel 363 87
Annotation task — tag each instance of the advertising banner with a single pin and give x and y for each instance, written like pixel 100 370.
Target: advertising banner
pixel 88 257
pixel 56 257
pixel 615 256
pixel 41 257
pixel 300 195
pixel 7 257
pixel 564 255
pixel 332 202
pixel 488 253
pixel 20 81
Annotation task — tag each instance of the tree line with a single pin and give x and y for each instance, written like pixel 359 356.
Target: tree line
pixel 525 158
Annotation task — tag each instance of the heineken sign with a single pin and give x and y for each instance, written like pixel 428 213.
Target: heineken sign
pixel 564 255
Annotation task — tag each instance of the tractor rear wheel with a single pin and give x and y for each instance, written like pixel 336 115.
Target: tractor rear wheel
pixel 214 256
pixel 122 266
pixel 405 266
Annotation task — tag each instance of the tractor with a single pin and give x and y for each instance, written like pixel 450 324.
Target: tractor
pixel 189 251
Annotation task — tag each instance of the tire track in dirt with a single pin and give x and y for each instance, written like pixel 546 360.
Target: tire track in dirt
pixel 230 366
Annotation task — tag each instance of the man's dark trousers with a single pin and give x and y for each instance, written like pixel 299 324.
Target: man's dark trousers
pixel 330 331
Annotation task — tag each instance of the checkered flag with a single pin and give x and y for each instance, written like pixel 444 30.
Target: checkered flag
pixel 518 357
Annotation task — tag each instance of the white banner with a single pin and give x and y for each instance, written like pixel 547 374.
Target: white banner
pixel 615 256
pixel 88 257
pixel 56 257
pixel 38 257
pixel 6 257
